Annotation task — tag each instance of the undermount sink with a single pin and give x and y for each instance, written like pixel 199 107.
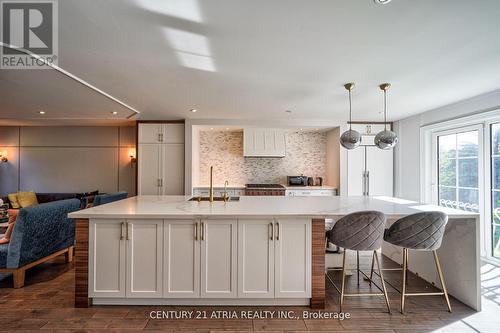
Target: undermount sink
pixel 215 199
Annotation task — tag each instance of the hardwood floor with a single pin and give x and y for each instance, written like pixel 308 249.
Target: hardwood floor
pixel 46 304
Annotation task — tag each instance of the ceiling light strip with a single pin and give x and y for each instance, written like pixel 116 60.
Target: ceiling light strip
pixel 74 77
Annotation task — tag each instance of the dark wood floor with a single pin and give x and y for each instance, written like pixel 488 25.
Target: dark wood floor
pixel 46 303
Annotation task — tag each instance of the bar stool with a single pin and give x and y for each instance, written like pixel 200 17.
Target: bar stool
pixel 421 232
pixel 360 231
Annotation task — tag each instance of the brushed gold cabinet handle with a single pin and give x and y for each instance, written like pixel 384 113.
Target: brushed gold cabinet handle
pixel 272 230
pixel 277 231
pixel 202 230
pixel 196 231
pixel 122 236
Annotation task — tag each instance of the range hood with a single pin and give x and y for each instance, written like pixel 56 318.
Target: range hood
pixel 264 142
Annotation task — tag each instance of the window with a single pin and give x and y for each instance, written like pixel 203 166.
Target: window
pixel 495 188
pixel 458 172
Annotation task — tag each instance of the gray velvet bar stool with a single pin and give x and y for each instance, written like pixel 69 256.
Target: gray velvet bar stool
pixel 421 232
pixel 360 231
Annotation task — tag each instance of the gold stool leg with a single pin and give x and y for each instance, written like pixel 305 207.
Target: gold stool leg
pixel 382 280
pixel 441 279
pixel 371 271
pixel 403 290
pixel 357 265
pixel 407 264
pixel 343 281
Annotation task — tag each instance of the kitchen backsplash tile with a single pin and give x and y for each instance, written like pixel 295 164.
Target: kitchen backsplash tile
pixel 305 154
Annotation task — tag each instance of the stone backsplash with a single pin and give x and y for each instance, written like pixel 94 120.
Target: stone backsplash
pixel 305 154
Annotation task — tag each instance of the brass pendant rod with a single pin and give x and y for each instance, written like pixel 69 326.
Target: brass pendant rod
pixel 385 110
pixel 350 111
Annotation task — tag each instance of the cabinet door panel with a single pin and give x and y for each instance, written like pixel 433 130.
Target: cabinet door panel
pixel 106 259
pixel 219 259
pixel 182 259
pixel 148 171
pixel 150 133
pixel 379 164
pixel 355 171
pixel 255 259
pixel 173 169
pixel 144 258
pixel 293 258
pixel 174 133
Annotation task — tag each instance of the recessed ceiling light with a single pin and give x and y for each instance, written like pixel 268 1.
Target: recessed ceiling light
pixel 193 110
pixel 41 112
pixel 114 112
pixel 211 128
pixel 381 2
pixel 227 128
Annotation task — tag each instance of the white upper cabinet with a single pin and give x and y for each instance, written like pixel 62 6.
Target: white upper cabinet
pixel 161 133
pixel 264 142
pixel 150 133
pixel 173 133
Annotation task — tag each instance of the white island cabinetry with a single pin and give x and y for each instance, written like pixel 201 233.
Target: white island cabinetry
pixel 211 259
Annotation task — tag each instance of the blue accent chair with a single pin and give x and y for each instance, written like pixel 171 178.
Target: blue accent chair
pixel 102 199
pixel 41 233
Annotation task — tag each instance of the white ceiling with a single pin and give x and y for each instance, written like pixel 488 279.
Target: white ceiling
pixel 254 59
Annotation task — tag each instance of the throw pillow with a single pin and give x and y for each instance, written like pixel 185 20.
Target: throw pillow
pixel 27 199
pixel 13 200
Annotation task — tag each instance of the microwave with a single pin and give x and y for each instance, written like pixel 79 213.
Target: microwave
pixel 297 180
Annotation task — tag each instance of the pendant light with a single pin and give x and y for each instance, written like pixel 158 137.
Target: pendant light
pixel 385 139
pixel 350 139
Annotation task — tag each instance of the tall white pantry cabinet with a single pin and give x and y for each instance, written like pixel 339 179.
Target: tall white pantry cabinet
pixel 160 155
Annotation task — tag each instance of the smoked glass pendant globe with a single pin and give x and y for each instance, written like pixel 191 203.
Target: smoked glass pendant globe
pixel 386 139
pixel 350 139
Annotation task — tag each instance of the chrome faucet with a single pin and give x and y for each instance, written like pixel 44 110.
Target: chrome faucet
pixel 226 197
pixel 211 190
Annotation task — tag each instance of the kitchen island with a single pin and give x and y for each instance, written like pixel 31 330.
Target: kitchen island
pixel 167 250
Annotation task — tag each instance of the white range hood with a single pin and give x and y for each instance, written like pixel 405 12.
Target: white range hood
pixel 264 142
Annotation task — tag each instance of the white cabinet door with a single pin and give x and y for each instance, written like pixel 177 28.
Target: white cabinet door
pixel 255 259
pixel 293 258
pixel 148 171
pixel 264 142
pixel 173 169
pixel 174 133
pixel 181 275
pixel 144 258
pixel 150 133
pixel 379 165
pixel 355 171
pixel 107 258
pixel 218 258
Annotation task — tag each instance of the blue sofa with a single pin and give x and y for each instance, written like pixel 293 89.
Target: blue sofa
pixel 41 233
pixel 102 199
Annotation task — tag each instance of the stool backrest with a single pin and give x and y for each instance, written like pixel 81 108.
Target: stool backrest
pixel 420 231
pixel 360 231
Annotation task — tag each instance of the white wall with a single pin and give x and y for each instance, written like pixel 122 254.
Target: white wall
pixel 407 152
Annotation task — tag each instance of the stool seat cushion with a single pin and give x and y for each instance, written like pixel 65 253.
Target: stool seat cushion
pixel 360 231
pixel 421 231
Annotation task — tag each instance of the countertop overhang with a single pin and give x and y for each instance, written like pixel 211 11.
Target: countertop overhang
pixel 178 207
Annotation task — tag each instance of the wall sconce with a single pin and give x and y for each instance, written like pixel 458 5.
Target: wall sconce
pixel 131 154
pixel 3 157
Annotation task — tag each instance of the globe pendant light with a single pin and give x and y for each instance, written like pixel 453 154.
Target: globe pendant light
pixel 350 139
pixel 385 139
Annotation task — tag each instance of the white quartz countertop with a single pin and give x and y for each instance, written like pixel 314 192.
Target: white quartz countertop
pixel 257 206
